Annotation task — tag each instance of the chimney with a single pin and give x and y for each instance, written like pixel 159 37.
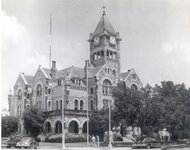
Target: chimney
pixel 53 65
pixel 53 69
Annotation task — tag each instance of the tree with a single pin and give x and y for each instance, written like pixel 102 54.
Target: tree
pixel 128 104
pixel 98 123
pixel 33 121
pixel 168 107
pixel 9 126
pixel 154 108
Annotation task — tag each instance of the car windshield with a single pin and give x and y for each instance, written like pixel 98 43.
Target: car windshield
pixel 25 139
pixel 15 138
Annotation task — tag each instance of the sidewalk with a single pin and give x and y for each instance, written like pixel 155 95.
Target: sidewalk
pixel 92 148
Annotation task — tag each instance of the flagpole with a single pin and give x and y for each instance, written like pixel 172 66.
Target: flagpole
pixel 87 142
pixel 50 34
pixel 87 104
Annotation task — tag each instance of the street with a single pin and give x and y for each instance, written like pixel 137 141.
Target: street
pixel 76 146
pixel 87 148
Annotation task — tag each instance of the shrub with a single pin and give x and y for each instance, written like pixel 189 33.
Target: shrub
pixel 69 138
pixel 9 126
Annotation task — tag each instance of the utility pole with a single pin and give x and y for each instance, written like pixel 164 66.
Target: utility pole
pixel 110 134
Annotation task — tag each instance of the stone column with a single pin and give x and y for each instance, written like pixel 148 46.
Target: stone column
pixel 80 130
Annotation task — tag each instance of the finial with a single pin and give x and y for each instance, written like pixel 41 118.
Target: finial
pixel 104 7
pixel 10 92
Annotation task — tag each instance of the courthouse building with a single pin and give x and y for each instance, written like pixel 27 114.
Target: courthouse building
pixel 50 87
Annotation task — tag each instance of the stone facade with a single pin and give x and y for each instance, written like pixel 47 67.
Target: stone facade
pixel 51 89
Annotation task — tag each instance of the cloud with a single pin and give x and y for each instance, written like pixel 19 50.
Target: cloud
pixel 12 30
pixel 18 53
pixel 178 49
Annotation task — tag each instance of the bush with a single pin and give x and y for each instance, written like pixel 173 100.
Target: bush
pixel 117 137
pixel 9 126
pixel 69 138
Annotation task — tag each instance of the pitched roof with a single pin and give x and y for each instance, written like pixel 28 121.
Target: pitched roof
pixel 29 79
pixel 72 72
pixel 125 74
pixel 104 25
pixel 47 72
pixel 93 71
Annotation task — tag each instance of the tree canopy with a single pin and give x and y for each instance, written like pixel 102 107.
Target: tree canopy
pixel 154 108
pixel 9 125
pixel 33 120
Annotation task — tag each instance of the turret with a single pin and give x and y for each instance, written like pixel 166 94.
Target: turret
pixel 10 97
pixel 104 43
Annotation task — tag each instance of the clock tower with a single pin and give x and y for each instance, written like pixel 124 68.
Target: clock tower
pixel 105 45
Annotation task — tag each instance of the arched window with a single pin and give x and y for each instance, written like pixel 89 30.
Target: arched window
pixel 39 90
pixel 49 105
pixel 114 72
pixel 105 103
pixel 19 110
pixel 48 127
pixel 95 56
pixel 114 55
pixel 73 127
pixel 19 95
pixel 28 106
pixel 91 105
pixel 81 105
pixel 61 105
pixel 106 87
pixel 134 87
pixel 57 105
pixel 76 104
pixel 58 127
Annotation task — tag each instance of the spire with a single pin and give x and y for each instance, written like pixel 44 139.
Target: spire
pixel 104 7
pixel 104 25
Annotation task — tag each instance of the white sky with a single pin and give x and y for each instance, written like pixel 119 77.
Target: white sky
pixel 155 33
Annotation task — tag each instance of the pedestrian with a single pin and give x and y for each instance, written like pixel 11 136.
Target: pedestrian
pixel 93 141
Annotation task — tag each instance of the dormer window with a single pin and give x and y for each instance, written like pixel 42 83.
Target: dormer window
pixel 112 40
pixel 77 81
pixel 96 41
pixel 59 82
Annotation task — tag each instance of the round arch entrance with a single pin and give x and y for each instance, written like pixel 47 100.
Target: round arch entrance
pixel 48 127
pixel 58 127
pixel 84 127
pixel 73 127
pixel 134 87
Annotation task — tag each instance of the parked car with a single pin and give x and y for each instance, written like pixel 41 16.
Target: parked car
pixel 139 146
pixel 12 141
pixel 179 147
pixel 151 142
pixel 4 142
pixel 27 142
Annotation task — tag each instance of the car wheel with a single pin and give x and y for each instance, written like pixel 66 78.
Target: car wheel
pixel 8 147
pixel 33 146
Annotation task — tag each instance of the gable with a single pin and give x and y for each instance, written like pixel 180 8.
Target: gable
pixel 39 77
pixel 131 77
pixel 19 82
